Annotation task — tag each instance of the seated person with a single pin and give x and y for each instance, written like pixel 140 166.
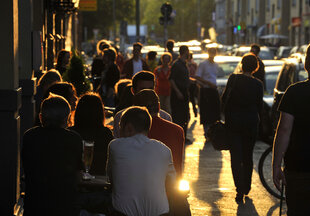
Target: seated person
pixel 51 158
pixel 142 80
pixel 89 123
pixel 138 168
pixel 167 132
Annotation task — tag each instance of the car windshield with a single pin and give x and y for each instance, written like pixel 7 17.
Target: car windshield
pixel 226 68
pixel 271 79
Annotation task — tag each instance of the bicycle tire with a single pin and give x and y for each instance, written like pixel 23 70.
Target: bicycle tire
pixel 265 174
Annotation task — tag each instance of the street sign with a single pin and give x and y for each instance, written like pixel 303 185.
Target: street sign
pixel 88 5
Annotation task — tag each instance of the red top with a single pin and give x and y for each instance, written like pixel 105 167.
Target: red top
pixel 171 135
pixel 162 81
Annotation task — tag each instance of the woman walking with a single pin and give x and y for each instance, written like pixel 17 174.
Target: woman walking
pixel 242 100
pixel 162 87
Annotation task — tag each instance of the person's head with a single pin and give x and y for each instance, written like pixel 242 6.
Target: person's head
pixel 142 80
pixel 249 63
pixel 63 57
pixel 101 45
pixel 109 55
pixel 89 111
pixel 49 78
pixel 211 52
pixel 166 58
pixel 135 120
pixel 65 90
pixel 255 48
pixel 136 49
pixel 120 85
pixel 149 99
pixel 55 112
pixel 170 45
pixel 151 55
pixel 307 60
pixel 184 52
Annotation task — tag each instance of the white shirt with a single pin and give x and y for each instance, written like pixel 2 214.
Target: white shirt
pixel 117 119
pixel 137 66
pixel 208 71
pixel 139 167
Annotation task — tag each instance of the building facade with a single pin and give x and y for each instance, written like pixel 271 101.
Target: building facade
pixel 248 20
pixel 32 33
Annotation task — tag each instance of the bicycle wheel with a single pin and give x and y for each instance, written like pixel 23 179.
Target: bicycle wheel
pixel 265 173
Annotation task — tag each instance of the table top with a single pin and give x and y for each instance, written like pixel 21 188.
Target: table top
pixel 98 183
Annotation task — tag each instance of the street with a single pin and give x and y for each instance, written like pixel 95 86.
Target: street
pixel 211 182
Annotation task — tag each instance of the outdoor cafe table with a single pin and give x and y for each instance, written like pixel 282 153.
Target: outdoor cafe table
pixel 99 183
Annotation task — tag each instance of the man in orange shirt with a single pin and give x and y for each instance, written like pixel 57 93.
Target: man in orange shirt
pixel 169 133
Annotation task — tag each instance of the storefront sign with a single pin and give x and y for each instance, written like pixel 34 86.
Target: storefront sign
pixel 88 5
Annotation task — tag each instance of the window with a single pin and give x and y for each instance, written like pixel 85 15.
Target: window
pixel 256 6
pixel 249 6
pixel 268 5
pixel 279 4
pixel 293 2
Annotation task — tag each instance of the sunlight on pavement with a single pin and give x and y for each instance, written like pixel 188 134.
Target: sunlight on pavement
pixel 212 189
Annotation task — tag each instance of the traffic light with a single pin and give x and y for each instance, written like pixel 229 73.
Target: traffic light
pixel 166 10
pixel 238 27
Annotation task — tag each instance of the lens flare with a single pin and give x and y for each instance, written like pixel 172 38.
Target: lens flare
pixel 184 185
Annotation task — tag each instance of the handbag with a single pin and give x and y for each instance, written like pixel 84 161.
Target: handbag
pixel 217 133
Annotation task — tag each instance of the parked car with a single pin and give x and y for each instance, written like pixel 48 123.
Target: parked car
pixel 292 71
pixel 227 65
pixel 266 126
pixel 265 52
pixel 283 52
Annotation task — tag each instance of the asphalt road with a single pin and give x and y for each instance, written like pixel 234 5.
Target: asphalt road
pixel 212 187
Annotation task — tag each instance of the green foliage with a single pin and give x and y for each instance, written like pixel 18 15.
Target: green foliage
pixel 185 22
pixel 76 74
pixel 103 18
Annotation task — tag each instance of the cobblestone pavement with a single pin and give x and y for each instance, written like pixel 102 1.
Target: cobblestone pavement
pixel 212 187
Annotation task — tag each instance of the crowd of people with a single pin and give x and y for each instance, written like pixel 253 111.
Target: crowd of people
pixel 142 153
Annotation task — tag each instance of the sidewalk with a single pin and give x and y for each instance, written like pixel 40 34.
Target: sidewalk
pixel 212 187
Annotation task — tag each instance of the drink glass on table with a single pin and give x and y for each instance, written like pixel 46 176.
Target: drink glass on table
pixel 88 154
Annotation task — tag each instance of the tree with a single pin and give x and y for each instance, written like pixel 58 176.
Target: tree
pixel 185 22
pixel 102 19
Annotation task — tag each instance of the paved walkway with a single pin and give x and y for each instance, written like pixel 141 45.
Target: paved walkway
pixel 211 182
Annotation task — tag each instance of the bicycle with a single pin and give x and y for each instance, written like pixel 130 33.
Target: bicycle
pixel 265 173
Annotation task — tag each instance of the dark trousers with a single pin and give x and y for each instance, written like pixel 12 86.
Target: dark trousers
pixel 241 153
pixel 193 95
pixel 297 192
pixel 180 109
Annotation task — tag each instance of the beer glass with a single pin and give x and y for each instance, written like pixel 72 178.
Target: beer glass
pixel 88 154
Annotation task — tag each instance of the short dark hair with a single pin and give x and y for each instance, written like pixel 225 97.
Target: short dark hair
pixel 212 50
pixel 170 44
pixel 147 98
pixel 49 78
pixel 110 53
pixel 256 47
pixel 151 55
pixel 138 117
pixel 102 44
pixel 142 75
pixel 137 44
pixel 183 49
pixel 89 111
pixel 55 111
pixel 61 54
pixel 166 54
pixel 63 89
pixel 249 63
